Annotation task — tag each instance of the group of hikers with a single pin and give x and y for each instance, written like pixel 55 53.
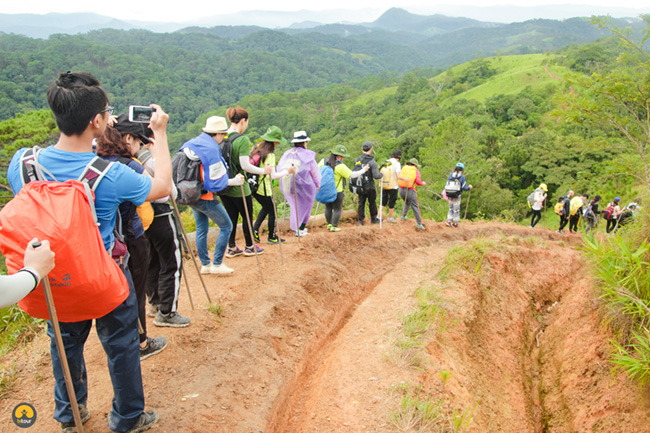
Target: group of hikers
pixel 573 209
pixel 117 176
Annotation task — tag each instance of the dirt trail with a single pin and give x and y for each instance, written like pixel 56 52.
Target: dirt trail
pixel 312 349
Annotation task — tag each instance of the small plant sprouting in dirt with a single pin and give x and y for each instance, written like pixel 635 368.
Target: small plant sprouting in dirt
pixel 215 309
pixel 7 379
pixel 445 375
pixel 467 257
pixel 419 413
pixel 415 326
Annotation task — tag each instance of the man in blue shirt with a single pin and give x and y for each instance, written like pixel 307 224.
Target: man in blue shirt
pixel 80 106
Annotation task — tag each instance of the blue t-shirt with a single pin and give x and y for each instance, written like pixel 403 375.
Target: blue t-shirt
pixel 119 185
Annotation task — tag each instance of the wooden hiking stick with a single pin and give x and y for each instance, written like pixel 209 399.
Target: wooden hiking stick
pixel 250 229
pixel 284 215
pixel 187 284
pixel 275 226
pixel 196 265
pixel 61 349
pixel 295 202
pixel 469 195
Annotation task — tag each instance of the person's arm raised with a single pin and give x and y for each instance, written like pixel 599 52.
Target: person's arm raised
pixel 161 182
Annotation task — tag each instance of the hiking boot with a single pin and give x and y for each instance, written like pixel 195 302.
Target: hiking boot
pixel 335 229
pixel 171 319
pixel 69 427
pixel 256 236
pixel 375 221
pixel 234 252
pixel 220 269
pixel 448 223
pixel 274 241
pixel 391 220
pixel 145 422
pixel 205 269
pixel 154 345
pixel 421 227
pixel 152 310
pixel 249 251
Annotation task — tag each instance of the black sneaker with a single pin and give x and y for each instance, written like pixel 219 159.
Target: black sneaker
pixel 172 319
pixel 69 427
pixel 256 236
pixel 360 223
pixel 145 422
pixel 375 221
pixel 274 241
pixel 154 345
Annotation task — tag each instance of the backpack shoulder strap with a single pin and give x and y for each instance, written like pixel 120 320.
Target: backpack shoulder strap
pixel 30 168
pixel 95 171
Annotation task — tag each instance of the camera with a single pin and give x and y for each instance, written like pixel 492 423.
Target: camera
pixel 140 113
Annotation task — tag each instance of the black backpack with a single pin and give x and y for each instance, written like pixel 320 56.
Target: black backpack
pixel 226 152
pixel 253 179
pixel 363 183
pixel 186 174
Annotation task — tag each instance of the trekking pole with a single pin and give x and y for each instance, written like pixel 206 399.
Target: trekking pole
pixel 381 205
pixel 198 271
pixel 295 202
pixel 275 226
pixel 284 214
pixel 250 229
pixel 469 195
pixel 61 349
pixel 315 213
pixel 187 284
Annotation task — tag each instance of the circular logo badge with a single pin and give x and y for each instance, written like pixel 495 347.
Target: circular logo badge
pixel 24 415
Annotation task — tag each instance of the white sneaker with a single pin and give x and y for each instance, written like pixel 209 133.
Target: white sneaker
pixel 205 269
pixel 301 233
pixel 221 269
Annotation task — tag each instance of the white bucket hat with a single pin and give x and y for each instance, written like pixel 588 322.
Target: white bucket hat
pixel 300 137
pixel 216 125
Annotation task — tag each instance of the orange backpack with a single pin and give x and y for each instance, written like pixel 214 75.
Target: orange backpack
pixel 86 282
pixel 410 172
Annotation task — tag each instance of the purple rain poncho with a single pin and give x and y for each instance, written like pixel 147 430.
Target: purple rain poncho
pixel 307 180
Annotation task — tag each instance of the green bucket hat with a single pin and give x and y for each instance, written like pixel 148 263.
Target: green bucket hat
pixel 274 135
pixel 340 150
pixel 415 162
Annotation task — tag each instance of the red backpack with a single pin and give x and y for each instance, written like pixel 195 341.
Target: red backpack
pixel 86 282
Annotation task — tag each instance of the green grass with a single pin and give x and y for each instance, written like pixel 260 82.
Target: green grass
pixel 17 327
pixel 469 256
pixel 216 309
pixel 420 413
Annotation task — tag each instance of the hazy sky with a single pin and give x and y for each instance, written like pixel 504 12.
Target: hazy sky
pixel 178 11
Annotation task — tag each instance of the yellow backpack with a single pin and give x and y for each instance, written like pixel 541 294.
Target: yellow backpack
pixel 409 172
pixel 388 181
pixel 576 203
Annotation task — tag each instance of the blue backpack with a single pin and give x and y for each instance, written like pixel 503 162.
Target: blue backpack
pixel 327 192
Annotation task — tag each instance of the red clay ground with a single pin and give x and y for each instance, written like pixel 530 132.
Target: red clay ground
pixel 313 348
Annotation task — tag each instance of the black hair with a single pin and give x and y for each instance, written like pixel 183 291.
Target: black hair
pixel 302 144
pixel 332 160
pixel 597 198
pixel 459 169
pixel 397 154
pixel 75 99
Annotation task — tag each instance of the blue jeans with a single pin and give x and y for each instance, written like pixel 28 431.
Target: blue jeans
pixel 118 333
pixel 204 211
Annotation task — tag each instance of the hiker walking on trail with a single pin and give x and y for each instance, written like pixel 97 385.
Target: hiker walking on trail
pixel 341 175
pixel 81 111
pixel 389 188
pixel 408 181
pixel 575 210
pixel 239 160
pixel 367 192
pixel 118 146
pixel 307 182
pixel 539 195
pixel 591 214
pixel 205 148
pixel 563 209
pixel 261 156
pixel 454 188
pixel 612 213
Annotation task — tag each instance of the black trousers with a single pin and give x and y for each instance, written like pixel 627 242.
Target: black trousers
pixel 563 222
pixel 573 221
pixel 139 266
pixel 371 198
pixel 267 210
pixel 165 263
pixel 235 207
pixel 537 215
